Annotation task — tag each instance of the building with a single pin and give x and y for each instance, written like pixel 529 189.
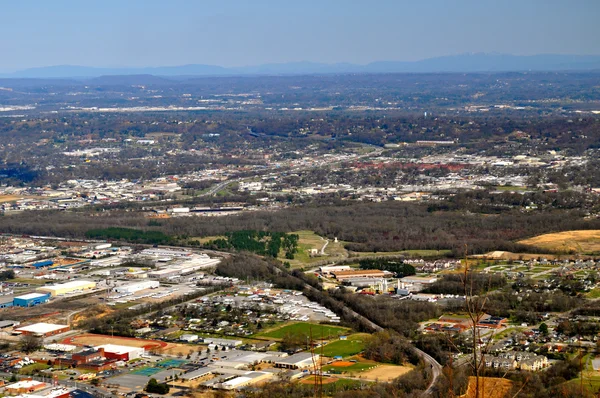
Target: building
pixel 196 374
pixel 87 356
pixel 136 287
pixel 367 273
pixel 24 387
pixel 43 329
pixel 301 360
pixel 31 299
pixel 245 380
pixel 67 288
pixel 120 352
pixel 222 342
pixel 334 268
pixel 189 337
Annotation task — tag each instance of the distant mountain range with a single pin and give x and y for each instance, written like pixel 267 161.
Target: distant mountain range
pixel 466 63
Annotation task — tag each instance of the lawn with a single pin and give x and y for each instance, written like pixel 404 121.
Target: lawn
pixel 318 331
pixel 594 293
pixel 345 348
pixel 33 368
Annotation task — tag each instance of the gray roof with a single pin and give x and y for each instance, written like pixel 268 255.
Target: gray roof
pixel 197 373
pixel 300 357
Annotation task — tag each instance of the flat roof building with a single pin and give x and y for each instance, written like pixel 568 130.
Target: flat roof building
pixel 120 352
pixel 367 273
pixel 43 329
pixel 301 360
pixel 31 299
pixel 66 288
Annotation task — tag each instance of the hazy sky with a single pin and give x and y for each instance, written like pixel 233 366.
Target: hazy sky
pixel 248 32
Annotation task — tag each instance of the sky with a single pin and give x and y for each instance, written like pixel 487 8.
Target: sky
pixel 135 33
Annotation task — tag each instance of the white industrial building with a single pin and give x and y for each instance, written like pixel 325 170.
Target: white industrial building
pixel 121 352
pixel 301 360
pixel 136 287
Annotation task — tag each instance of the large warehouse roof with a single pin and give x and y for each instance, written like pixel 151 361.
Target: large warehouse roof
pixel 41 328
pixel 70 285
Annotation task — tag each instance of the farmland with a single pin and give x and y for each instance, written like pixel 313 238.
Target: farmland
pixel 581 242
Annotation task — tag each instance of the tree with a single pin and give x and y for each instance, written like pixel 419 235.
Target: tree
pixel 543 329
pixel 154 386
pixel 30 343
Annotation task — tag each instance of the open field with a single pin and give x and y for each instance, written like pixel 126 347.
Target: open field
pixel 569 241
pixel 493 387
pixel 386 372
pixel 407 253
pixel 317 331
pixel 346 348
pixel 99 339
pixel 311 380
pixel 9 198
pixel 356 367
pixel 180 349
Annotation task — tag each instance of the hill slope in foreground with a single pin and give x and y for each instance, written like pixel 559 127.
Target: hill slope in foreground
pixel 582 242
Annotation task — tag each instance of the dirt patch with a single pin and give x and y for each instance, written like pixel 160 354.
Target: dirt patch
pixel 100 339
pixel 342 364
pixel 493 387
pixel 311 380
pixel 180 349
pixel 385 372
pixel 8 198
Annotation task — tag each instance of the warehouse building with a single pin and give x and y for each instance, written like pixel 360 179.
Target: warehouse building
pixel 31 299
pixel 367 273
pixel 246 380
pixel 6 302
pixel 222 342
pixel 301 360
pixel 67 288
pixel 136 287
pixel 120 352
pixel 43 329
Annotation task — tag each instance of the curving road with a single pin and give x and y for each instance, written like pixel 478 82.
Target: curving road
pixel 436 367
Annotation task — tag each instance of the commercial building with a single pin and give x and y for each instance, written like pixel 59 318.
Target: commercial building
pixel 120 352
pixel 222 342
pixel 66 288
pixel 31 299
pixel 246 380
pixel 301 360
pixel 328 269
pixel 87 356
pixel 43 329
pixel 367 273
pixel 136 287
pixel 24 386
pixel 189 337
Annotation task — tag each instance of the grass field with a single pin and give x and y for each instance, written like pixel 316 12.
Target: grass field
pixel 318 331
pixel 355 367
pixel 581 242
pixel 345 348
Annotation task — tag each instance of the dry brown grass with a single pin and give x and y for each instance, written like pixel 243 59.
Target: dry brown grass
pixel 9 198
pixel 586 241
pixel 492 387
pixel 311 380
pixel 385 372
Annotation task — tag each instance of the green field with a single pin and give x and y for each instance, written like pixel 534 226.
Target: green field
pixel 357 367
pixel 345 348
pixel 594 293
pixel 317 331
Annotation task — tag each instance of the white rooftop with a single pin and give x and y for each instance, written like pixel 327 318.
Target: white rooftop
pixel 119 349
pixel 41 328
pixel 69 285
pixel 31 296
